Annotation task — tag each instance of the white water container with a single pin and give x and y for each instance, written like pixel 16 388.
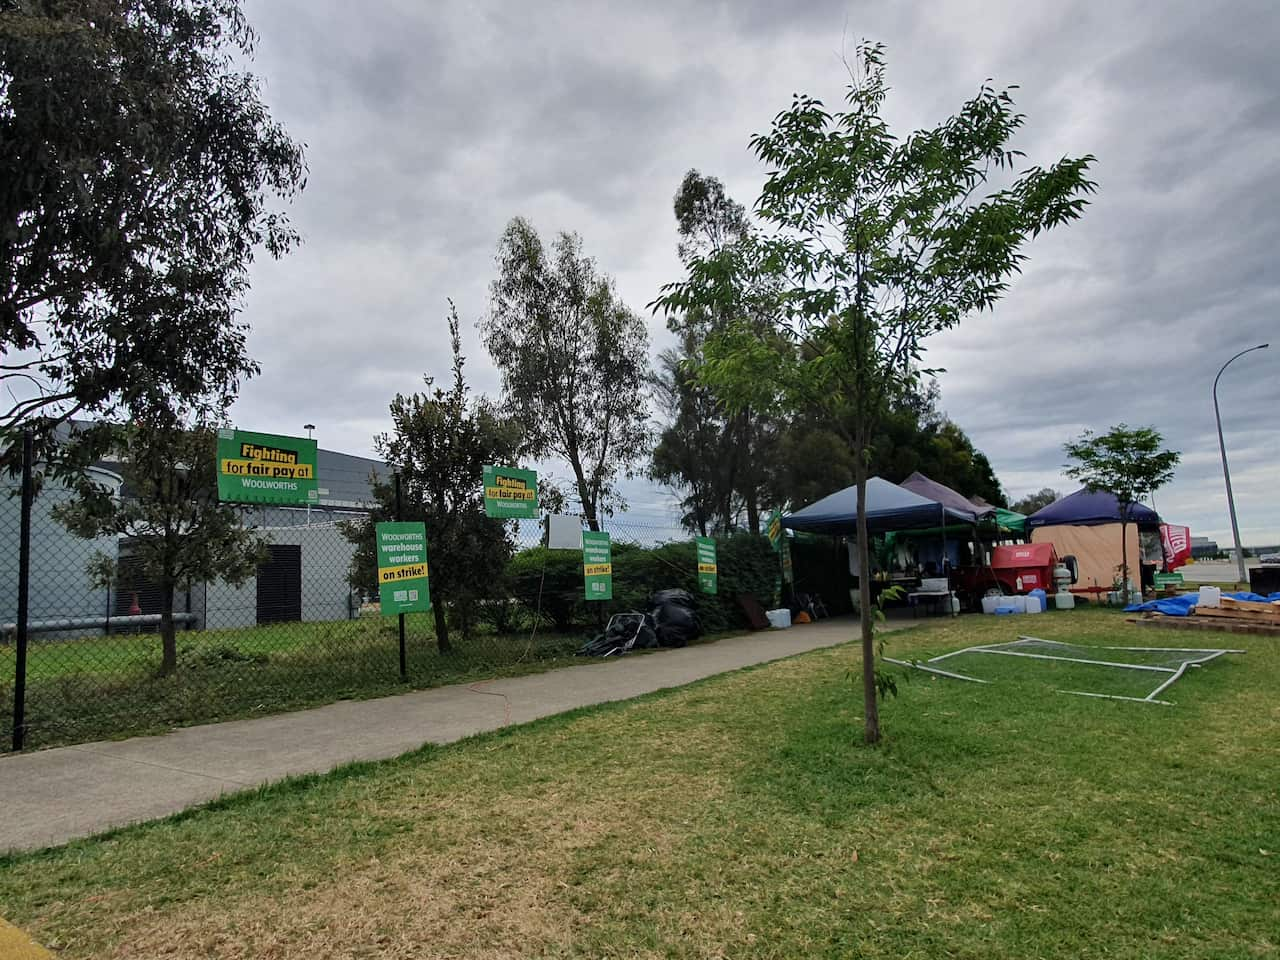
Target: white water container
pixel 1033 604
pixel 991 604
pixel 1210 597
pixel 779 619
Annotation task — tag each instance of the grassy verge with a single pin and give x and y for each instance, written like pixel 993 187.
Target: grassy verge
pixel 739 817
pixel 107 687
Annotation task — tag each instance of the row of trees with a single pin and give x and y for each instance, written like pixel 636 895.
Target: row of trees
pixel 140 173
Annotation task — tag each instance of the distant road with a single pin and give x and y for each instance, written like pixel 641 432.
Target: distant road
pixel 1214 571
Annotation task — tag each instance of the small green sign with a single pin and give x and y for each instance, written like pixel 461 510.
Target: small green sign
pixel 402 568
pixel 707 573
pixel 265 468
pixel 597 565
pixel 1168 579
pixel 510 493
pixel 775 529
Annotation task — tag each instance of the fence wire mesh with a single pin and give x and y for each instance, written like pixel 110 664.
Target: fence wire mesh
pixel 297 633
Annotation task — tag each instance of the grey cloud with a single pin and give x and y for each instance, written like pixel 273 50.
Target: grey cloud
pixel 429 127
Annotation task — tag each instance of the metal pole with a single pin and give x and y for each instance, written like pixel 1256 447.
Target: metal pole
pixel 24 583
pixel 404 669
pixel 1226 473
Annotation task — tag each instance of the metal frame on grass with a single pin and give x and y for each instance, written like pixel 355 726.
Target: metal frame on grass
pixel 1004 650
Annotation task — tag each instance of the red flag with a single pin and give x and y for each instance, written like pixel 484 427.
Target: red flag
pixel 1176 542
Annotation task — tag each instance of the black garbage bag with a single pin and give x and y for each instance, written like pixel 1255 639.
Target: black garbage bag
pixel 674 619
pixel 681 598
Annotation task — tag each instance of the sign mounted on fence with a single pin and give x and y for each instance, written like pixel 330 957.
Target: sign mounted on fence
pixel 597 565
pixel 403 586
pixel 265 468
pixel 707 572
pixel 774 529
pixel 510 493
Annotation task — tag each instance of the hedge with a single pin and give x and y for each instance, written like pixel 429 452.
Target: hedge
pixel 747 564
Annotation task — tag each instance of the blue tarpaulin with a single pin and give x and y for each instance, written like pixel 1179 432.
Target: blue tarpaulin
pixel 1183 604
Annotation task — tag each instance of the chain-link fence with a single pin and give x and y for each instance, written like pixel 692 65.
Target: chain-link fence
pixel 297 632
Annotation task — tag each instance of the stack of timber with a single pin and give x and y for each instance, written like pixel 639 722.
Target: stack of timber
pixel 1233 616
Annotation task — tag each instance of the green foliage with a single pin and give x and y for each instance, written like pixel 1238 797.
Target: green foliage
pixel 720 459
pixel 876 243
pixel 1128 463
pixel 167 516
pixel 574 361
pixel 747 565
pixel 440 444
pixel 138 171
pixel 1036 501
pixel 815 458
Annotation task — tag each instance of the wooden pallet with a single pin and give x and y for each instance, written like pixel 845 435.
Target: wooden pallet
pixel 1241 611
pixel 1239 625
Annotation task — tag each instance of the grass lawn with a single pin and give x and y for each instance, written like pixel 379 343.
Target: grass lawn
pixel 107 687
pixel 741 817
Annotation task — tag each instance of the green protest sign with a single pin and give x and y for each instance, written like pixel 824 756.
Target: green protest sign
pixel 774 529
pixel 402 568
pixel 510 493
pixel 597 565
pixel 1168 579
pixel 265 468
pixel 707 572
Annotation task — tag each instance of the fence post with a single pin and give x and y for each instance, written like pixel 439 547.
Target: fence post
pixel 404 672
pixel 24 584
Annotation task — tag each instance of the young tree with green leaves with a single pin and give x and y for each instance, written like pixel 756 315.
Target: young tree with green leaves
pixel 167 516
pixel 574 362
pixel 1128 463
pixel 440 443
pixel 140 172
pixel 876 243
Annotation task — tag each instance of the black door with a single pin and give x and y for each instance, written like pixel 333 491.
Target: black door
pixel 280 584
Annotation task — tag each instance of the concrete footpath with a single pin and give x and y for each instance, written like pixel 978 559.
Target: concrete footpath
pixel 52 796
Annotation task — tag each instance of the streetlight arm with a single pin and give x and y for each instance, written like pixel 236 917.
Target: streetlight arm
pixel 1261 346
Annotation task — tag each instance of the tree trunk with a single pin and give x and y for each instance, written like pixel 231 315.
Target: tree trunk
pixel 584 495
pixel 442 627
pixel 1124 555
pixel 168 639
pixel 753 512
pixel 871 708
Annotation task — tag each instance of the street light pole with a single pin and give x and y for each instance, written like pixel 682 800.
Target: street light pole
pixel 1226 473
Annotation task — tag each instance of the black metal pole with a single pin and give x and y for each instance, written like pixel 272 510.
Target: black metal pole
pixel 24 583
pixel 404 669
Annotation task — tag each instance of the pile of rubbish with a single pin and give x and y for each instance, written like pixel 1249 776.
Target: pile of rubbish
pixel 670 621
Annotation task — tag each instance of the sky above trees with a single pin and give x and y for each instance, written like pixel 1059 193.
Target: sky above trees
pixel 429 126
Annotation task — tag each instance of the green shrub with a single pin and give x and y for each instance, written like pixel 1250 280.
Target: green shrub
pixel 747 564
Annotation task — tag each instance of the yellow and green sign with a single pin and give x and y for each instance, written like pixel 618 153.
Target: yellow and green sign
pixel 774 529
pixel 403 586
pixel 265 468
pixel 707 571
pixel 597 565
pixel 510 493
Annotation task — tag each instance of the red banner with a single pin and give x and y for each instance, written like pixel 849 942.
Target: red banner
pixel 1176 542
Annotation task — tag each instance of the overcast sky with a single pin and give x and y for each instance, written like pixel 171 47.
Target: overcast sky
pixel 428 126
